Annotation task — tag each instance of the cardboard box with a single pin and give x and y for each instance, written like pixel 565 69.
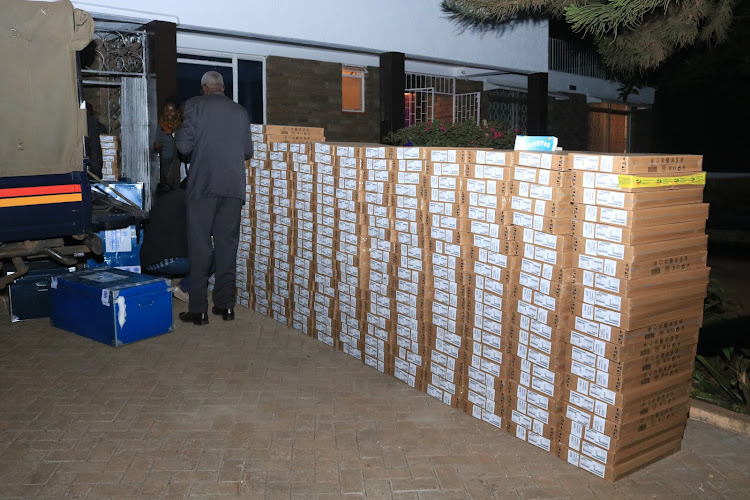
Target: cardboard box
pixel 644 217
pixel 632 287
pixel 638 199
pixel 636 163
pixel 640 454
pixel 551 178
pixel 646 337
pixel 552 194
pixel 489 157
pixel 634 183
pixel 547 161
pixel 656 252
pixel 637 236
pixel 542 207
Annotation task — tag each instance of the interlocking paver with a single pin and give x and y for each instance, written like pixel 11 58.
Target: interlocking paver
pixel 254 409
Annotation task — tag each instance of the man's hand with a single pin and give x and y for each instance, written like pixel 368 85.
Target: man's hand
pixel 158 146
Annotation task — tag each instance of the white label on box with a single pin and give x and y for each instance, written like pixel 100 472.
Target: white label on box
pixel 586 162
pixel 591 213
pixel 105 295
pixel 540 192
pixel 600 409
pixel 118 240
pixel 610 199
pixel 574 442
pixel 589 180
pixel 613 216
pixel 607 181
pixel 583 401
pixel 544 177
pixel 577 415
pixel 539 207
pixel 607 164
pixel 608 249
pixel 522 204
pixel 589 196
pixel 591 466
pixel 594 452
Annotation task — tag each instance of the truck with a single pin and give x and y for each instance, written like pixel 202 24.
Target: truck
pixel 48 209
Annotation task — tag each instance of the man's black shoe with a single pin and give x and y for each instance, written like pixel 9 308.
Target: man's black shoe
pixel 195 318
pixel 226 314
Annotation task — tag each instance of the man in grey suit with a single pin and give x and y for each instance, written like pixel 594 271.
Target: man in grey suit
pixel 216 134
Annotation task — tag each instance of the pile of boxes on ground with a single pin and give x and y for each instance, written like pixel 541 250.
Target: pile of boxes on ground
pixel 110 158
pixel 557 296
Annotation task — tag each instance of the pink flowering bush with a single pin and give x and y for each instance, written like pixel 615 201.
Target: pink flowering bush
pixel 495 135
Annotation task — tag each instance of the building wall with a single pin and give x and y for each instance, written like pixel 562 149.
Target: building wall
pixel 417 28
pixel 308 93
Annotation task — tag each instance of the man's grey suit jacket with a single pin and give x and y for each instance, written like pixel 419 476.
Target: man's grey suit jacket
pixel 215 133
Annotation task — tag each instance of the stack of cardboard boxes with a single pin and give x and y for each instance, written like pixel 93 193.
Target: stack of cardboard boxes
pixel 541 211
pixel 557 296
pixel 110 158
pixel 483 205
pixel 640 250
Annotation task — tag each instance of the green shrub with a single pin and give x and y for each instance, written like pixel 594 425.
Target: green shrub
pixel 494 135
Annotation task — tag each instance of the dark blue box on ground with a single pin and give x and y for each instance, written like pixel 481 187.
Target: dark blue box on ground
pixel 111 305
pixel 29 295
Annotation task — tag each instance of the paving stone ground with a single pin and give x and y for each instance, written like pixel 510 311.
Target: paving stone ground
pixel 252 409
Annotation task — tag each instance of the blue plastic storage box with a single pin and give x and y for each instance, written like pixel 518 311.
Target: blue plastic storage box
pixel 111 305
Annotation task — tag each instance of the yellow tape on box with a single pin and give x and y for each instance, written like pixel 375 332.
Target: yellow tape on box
pixel 637 181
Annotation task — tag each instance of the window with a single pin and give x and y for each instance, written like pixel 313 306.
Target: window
pixel 243 78
pixel 353 88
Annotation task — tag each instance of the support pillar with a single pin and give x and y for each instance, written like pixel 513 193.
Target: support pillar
pixel 163 59
pixel 537 101
pixel 392 85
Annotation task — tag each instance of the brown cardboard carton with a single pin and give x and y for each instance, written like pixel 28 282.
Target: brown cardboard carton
pixel 558 242
pixel 558 274
pixel 610 374
pixel 656 379
pixel 643 338
pixel 541 207
pixel 549 225
pixel 643 217
pixel 637 318
pixel 435 154
pixel 489 157
pixel 546 438
pixel 654 252
pixel 637 236
pixel 636 163
pixel 551 194
pixel 638 199
pixel 622 407
pixel 648 301
pixel 640 453
pixel 650 284
pixel 547 161
pixel 551 178
pixel 636 183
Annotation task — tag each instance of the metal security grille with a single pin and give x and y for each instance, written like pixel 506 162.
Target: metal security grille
pixel 509 106
pixel 419 106
pixel 115 84
pixel 466 107
pixel 439 84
